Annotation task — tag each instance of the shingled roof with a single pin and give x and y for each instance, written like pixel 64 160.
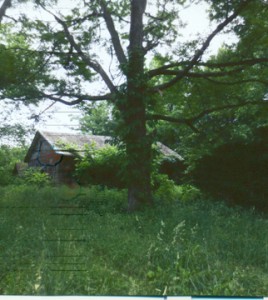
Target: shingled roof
pixel 57 139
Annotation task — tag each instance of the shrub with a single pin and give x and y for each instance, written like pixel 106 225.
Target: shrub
pixel 167 190
pixel 236 172
pixel 188 192
pixel 35 176
pixel 107 167
pixel 104 167
pixel 8 157
pixel 164 188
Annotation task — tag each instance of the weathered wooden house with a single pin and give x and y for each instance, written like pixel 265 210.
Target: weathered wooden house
pixel 48 152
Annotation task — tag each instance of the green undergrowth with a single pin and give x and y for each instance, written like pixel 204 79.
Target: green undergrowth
pixel 61 241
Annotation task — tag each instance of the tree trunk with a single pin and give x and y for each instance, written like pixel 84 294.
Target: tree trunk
pixel 138 148
pixel 138 145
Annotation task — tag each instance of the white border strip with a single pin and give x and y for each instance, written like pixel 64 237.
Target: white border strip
pixel 89 298
pixel 9 297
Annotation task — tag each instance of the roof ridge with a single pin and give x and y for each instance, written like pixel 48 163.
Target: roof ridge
pixel 71 134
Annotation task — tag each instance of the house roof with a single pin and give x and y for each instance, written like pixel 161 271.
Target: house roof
pixel 57 140
pixel 73 140
pixel 166 151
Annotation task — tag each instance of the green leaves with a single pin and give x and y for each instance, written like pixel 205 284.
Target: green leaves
pixel 8 157
pixel 109 41
pixel 105 166
pixel 35 177
pixel 221 8
pixel 98 120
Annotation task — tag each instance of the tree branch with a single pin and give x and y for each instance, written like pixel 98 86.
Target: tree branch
pixel 190 121
pixel 202 74
pixel 85 18
pixel 246 62
pixel 87 60
pixel 250 80
pixel 49 52
pixel 114 35
pixel 224 107
pixel 158 117
pixel 199 53
pixel 79 98
pixel 93 64
pixel 6 4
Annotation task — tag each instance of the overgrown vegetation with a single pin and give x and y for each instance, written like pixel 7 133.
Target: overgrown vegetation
pixel 153 75
pixel 55 240
pixel 8 157
pixel 236 172
pixel 105 166
pixel 34 176
pixel 108 167
pixel 60 241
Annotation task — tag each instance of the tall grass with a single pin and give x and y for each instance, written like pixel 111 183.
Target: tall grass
pixel 60 241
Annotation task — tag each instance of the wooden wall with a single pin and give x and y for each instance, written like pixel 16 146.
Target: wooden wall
pixel 60 167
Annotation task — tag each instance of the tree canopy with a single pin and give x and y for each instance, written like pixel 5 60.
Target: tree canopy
pixel 183 85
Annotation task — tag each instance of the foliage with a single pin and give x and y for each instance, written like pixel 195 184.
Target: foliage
pixel 210 110
pixel 98 120
pixel 35 176
pixel 22 72
pixel 105 166
pixel 14 134
pixel 236 172
pixel 185 86
pixel 61 241
pixel 18 76
pixel 188 192
pixel 201 89
pixel 167 191
pixel 8 157
pixel 164 188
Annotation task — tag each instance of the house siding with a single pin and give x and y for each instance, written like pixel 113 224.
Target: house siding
pixel 65 170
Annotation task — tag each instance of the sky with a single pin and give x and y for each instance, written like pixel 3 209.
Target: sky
pixel 62 118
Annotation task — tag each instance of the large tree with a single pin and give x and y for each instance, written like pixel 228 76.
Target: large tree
pixel 74 44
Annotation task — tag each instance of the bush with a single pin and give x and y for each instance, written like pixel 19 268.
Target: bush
pixel 8 157
pixel 164 188
pixel 187 192
pixel 104 167
pixel 35 176
pixel 236 172
pixel 107 167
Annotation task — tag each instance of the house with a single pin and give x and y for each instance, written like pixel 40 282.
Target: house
pixel 47 152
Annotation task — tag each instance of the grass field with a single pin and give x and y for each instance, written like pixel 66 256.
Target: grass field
pixel 60 241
